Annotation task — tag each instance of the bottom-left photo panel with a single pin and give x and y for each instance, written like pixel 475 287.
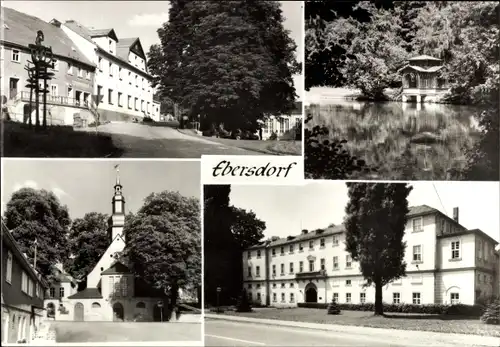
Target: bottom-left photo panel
pixel 101 252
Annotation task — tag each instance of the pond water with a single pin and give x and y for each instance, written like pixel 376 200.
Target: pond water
pixel 403 141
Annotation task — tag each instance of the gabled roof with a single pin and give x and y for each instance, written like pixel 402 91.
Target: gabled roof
pixel 122 46
pixel 424 57
pixel 21 29
pixel 87 293
pixel 115 269
pixel 103 32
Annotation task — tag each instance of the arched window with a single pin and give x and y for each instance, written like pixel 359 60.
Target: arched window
pixel 96 305
pixel 140 305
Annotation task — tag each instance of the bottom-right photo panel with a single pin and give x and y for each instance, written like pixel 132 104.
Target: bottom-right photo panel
pixel 352 264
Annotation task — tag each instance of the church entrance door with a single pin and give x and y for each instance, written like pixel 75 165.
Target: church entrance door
pixel 118 312
pixel 78 317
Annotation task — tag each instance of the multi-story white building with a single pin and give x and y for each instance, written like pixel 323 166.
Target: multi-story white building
pixel 446 264
pixel 72 83
pixel 284 126
pixel 122 79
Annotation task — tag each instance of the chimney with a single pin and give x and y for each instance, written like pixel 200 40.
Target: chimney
pixel 455 214
pixel 304 231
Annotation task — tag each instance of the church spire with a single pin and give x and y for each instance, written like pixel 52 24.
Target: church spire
pixel 118 211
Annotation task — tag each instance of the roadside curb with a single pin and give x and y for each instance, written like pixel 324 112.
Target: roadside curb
pixel 448 338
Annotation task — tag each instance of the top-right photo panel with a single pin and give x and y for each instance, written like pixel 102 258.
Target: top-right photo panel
pixel 402 90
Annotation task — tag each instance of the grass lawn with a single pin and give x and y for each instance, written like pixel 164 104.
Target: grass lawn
pixel 56 141
pixel 436 323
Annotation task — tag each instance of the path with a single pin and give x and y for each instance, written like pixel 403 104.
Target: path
pixel 144 141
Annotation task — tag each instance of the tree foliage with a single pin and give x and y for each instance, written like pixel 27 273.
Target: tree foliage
pixel 38 214
pixel 163 245
pixel 229 61
pixel 88 240
pixel 376 217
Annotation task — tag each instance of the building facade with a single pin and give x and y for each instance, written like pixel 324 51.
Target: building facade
pixel 446 264
pixel 284 126
pixel 421 81
pixel 22 293
pixel 122 80
pixel 70 89
pixel 112 293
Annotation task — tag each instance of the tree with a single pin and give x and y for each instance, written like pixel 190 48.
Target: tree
pixel 229 61
pixel 374 52
pixel 220 248
pixel 246 228
pixel 163 245
pixel 376 216
pixel 88 240
pixel 38 214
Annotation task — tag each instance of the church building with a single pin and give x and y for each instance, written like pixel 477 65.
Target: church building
pixel 113 293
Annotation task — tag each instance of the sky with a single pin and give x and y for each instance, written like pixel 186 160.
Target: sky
pixel 139 19
pixel 87 186
pixel 289 209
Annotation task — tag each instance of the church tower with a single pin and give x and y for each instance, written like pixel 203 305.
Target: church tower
pixel 118 207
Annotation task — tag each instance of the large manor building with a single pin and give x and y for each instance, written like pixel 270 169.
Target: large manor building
pixel 446 264
pixel 112 293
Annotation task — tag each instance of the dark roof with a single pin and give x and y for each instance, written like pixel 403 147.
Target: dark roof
pixel 116 268
pixel 87 293
pixel 335 229
pixel 22 30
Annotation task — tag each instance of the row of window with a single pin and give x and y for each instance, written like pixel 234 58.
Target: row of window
pixel 416 257
pixel 52 292
pixel 81 73
pixel 28 286
pixel 144 106
pixel 396 298
pixel 291 247
pixel 115 70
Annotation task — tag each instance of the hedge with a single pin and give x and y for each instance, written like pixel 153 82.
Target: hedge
pixel 456 310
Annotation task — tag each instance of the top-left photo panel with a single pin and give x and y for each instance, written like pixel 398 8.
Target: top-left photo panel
pixel 151 79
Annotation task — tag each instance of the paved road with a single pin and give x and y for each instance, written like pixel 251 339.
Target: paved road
pixel 226 333
pixel 144 141
pixel 82 332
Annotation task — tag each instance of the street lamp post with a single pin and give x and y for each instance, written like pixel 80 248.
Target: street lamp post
pixel 219 289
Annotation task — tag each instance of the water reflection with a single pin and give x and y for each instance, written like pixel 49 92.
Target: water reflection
pixel 405 141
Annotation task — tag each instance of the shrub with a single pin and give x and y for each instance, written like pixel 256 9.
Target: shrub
pixel 243 304
pixel 333 308
pixel 147 119
pixel 491 314
pixel 208 133
pixel 320 305
pixel 273 136
pixel 452 310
